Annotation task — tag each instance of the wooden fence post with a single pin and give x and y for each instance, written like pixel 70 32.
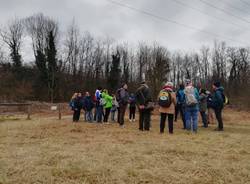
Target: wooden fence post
pixel 29 112
pixel 59 112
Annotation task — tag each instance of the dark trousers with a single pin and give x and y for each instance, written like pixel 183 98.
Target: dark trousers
pixel 106 116
pixel 170 122
pixel 121 114
pixel 218 115
pixel 76 115
pixel 99 113
pixel 144 119
pixel 204 118
pixel 180 108
pixel 132 112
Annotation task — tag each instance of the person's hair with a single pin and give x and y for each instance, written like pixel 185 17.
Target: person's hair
pixel 123 84
pixel 99 88
pixel 182 86
pixel 74 96
pixel 203 91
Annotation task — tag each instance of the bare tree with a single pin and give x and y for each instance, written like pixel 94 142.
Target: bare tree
pixel 12 35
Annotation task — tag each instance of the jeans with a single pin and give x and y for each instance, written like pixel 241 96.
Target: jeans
pixel 99 113
pixel 132 112
pixel 144 119
pixel 218 115
pixel 106 116
pixel 191 114
pixel 113 115
pixel 204 118
pixel 89 116
pixel 170 122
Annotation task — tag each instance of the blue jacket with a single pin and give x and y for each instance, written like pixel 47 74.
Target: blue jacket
pixel 180 96
pixel 88 103
pixel 132 101
pixel 217 98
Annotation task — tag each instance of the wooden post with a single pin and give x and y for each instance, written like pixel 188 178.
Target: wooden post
pixel 29 112
pixel 59 112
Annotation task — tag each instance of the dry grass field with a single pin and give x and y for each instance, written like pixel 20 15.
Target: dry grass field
pixel 46 150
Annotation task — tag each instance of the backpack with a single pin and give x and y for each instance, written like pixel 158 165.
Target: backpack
pixel 132 101
pixel 103 102
pixel 225 99
pixel 181 97
pixel 190 97
pixel 165 99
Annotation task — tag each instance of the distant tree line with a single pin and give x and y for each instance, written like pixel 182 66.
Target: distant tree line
pixel 75 61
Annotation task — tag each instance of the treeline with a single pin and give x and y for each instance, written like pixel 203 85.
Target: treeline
pixel 75 61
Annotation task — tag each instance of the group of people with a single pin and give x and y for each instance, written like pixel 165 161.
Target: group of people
pixel 187 100
pixel 102 105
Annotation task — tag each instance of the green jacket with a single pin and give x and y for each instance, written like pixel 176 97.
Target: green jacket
pixel 108 99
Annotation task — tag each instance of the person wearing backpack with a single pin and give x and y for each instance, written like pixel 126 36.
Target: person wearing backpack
pixel 122 99
pixel 108 104
pixel 191 106
pixel 180 106
pixel 132 107
pixel 203 107
pixel 167 102
pixel 144 100
pixel 88 105
pixel 218 99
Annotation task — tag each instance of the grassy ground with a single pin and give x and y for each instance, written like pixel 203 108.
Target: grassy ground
pixel 46 150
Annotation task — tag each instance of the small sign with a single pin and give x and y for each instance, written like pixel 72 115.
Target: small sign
pixel 53 108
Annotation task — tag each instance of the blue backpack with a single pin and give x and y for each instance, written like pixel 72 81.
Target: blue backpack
pixel 180 97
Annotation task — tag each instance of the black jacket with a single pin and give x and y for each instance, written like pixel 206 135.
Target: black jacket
pixel 143 95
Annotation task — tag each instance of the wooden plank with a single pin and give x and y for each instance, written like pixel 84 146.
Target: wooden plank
pixel 15 104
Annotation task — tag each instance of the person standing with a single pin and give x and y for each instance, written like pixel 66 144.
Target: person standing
pixel 203 107
pixel 88 105
pixel 191 106
pixel 77 107
pixel 218 104
pixel 180 106
pixel 132 107
pixel 167 103
pixel 114 108
pixel 108 104
pixel 210 110
pixel 99 107
pixel 122 98
pixel 144 98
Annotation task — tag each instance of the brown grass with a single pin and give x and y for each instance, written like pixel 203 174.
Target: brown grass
pixel 46 150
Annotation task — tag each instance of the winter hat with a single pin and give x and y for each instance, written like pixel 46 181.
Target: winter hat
pixel 169 85
pixel 217 84
pixel 187 81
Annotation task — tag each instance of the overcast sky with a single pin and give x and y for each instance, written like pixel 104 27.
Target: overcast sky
pixel 103 18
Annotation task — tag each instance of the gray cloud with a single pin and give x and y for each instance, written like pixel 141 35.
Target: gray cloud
pixel 101 18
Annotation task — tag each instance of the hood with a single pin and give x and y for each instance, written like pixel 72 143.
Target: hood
pixel 221 89
pixel 168 88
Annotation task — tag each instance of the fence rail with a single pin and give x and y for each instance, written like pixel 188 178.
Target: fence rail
pixel 19 105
